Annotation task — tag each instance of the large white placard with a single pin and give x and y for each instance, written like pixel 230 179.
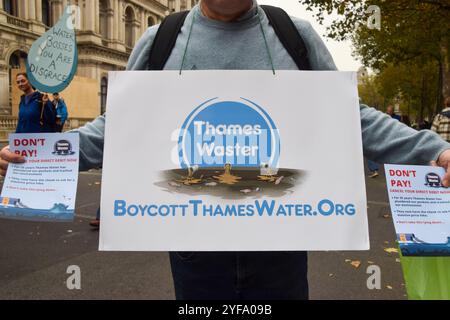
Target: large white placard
pixel 233 161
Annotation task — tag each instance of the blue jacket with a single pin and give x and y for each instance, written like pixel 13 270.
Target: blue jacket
pixel 61 110
pixel 30 115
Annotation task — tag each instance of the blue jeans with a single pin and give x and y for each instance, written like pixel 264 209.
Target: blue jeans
pixel 240 275
pixel 373 166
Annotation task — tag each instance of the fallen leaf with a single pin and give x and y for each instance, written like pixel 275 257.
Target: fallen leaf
pixel 69 231
pixel 97 182
pixel 397 260
pixel 391 250
pixel 389 287
pixel 386 216
pixel 370 262
pixel 356 263
pixel 330 275
pixel 347 260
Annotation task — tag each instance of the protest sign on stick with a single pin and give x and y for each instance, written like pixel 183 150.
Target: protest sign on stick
pixel 52 60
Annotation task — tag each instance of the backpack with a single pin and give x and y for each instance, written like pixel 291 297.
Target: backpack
pixel 280 21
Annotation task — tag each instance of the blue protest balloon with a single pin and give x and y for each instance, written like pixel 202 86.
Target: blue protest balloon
pixel 52 60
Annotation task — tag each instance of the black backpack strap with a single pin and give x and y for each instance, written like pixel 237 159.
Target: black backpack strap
pixel 280 21
pixel 289 36
pixel 165 40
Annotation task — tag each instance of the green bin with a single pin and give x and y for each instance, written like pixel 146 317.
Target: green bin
pixel 427 278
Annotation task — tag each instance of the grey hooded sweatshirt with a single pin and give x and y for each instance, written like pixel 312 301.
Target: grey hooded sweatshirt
pixel 240 45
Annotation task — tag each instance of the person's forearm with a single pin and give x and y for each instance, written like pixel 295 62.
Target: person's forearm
pixel 91 144
pixel 386 140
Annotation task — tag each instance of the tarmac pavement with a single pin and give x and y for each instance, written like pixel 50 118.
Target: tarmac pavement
pixel 34 258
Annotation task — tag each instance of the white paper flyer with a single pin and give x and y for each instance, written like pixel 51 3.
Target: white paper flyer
pixel 44 187
pixel 420 208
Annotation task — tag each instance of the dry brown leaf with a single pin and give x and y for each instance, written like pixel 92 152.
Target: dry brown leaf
pixel 389 287
pixel 391 250
pixel 356 263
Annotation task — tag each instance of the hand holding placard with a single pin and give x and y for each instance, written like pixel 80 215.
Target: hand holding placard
pixel 444 162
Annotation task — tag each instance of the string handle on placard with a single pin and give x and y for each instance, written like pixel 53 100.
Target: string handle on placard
pixel 187 43
pixel 266 44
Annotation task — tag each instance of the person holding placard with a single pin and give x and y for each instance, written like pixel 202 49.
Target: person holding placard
pixel 36 113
